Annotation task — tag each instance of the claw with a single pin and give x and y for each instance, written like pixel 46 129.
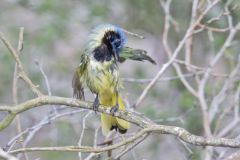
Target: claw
pixel 114 109
pixel 95 104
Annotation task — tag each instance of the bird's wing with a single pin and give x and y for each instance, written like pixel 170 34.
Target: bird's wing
pixel 134 54
pixel 79 77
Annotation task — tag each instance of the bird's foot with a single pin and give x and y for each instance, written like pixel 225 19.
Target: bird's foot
pixel 95 104
pixel 114 109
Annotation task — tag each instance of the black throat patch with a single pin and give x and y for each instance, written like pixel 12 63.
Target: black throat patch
pixel 104 52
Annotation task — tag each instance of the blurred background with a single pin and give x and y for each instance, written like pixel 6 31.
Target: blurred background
pixel 54 34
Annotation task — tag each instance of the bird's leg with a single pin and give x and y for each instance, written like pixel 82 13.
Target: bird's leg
pixel 96 103
pixel 115 108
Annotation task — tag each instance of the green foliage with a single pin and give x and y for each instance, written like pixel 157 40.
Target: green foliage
pixel 54 7
pixel 139 73
pixel 65 134
pixel 46 37
pixel 178 85
pixel 219 41
pixel 234 10
pixel 186 100
pixel 181 11
pixel 193 122
pixel 98 9
pixel 6 74
pixel 58 155
pixel 23 2
pixel 154 93
pixel 196 155
pixel 149 111
pixel 145 15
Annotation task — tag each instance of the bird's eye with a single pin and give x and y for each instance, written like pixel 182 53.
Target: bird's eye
pixel 117 42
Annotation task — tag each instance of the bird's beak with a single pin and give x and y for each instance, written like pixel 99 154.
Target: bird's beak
pixel 116 56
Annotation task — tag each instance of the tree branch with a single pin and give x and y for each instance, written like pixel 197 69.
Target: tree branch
pixel 6 156
pixel 133 117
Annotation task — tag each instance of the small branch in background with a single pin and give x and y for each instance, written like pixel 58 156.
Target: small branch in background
pixel 83 131
pixel 15 80
pixel 212 29
pixel 189 41
pixel 166 8
pixel 96 136
pixel 188 149
pixel 33 130
pixel 202 85
pixel 236 119
pixel 234 156
pixel 132 34
pixel 179 118
pixel 15 76
pixel 15 88
pixel 21 71
pixel 109 152
pixel 91 155
pixel 174 55
pixel 6 156
pixel 49 91
pixel 164 79
pixel 222 94
pixel 129 148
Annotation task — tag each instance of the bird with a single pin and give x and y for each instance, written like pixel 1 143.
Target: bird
pixel 98 69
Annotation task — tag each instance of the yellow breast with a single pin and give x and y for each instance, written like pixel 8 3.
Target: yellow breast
pixel 103 76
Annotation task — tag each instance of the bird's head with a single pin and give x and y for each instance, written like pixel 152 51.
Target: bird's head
pixel 106 42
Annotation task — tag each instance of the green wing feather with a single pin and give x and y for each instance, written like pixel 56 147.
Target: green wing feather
pixel 134 54
pixel 79 77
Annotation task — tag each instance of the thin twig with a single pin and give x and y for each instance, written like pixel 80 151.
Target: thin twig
pixel 166 7
pixel 45 121
pixel 212 29
pixel 15 89
pixel 21 71
pixel 202 85
pixel 132 34
pixel 189 41
pixel 130 147
pixel 236 119
pixel 220 97
pixel 92 155
pixel 82 133
pixel 174 55
pixel 49 91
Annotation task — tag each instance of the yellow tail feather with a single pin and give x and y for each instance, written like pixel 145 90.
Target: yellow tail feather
pixel 110 122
